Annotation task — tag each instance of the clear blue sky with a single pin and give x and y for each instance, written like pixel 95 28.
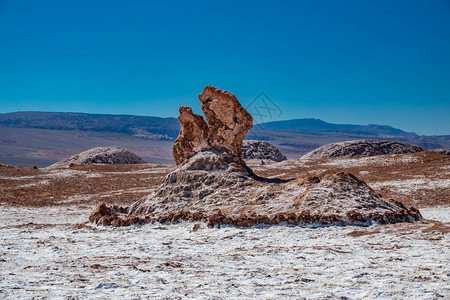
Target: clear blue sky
pixel 359 62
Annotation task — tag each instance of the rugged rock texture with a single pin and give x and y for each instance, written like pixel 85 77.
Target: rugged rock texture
pixel 360 148
pixel 261 150
pixel 230 194
pixel 228 123
pixel 442 151
pixel 100 155
pixel 193 135
pixel 213 184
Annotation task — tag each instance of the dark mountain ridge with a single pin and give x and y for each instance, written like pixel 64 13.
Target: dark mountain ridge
pixel 151 127
pixel 168 128
pixel 311 125
pixel 42 138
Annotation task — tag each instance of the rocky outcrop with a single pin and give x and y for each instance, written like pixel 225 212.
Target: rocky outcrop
pixel 213 184
pixel 442 151
pixel 230 195
pixel 101 155
pixel 261 150
pixel 193 135
pixel 361 148
pixel 227 124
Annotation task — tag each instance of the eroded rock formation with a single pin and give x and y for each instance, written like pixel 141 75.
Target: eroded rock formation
pixel 213 184
pixel 100 155
pixel 261 150
pixel 229 195
pixel 227 124
pixel 361 148
pixel 193 135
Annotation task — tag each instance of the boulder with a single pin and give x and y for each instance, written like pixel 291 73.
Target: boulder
pixel 361 148
pixel 261 150
pixel 100 155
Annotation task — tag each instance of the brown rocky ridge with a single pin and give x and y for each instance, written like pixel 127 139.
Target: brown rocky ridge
pixel 213 184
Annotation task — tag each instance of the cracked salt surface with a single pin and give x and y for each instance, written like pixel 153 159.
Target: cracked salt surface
pixel 282 165
pixel 412 185
pixel 441 214
pixel 384 160
pixel 42 182
pixel 60 255
pixel 57 174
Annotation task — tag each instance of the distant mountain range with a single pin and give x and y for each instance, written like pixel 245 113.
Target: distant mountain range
pixel 151 127
pixel 41 138
pixel 316 126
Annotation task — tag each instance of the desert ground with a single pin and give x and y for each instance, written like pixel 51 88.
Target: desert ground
pixel 50 250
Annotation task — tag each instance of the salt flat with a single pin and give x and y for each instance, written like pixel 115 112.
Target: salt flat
pixel 49 250
pixel 61 255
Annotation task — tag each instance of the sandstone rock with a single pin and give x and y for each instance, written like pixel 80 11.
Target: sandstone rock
pixel 361 148
pixel 100 211
pixel 261 150
pixel 193 135
pixel 100 155
pixel 228 123
pixel 196 227
pixel 112 216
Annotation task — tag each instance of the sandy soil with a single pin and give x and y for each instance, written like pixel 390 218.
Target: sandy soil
pixel 49 250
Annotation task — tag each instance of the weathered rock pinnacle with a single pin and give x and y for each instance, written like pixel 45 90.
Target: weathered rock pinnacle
pixel 193 135
pixel 228 123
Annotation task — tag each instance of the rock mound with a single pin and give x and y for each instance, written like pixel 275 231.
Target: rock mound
pixel 361 148
pixel 101 155
pixel 261 150
pixel 442 151
pixel 231 194
pixel 213 184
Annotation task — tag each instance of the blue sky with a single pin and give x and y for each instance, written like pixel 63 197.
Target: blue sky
pixel 359 62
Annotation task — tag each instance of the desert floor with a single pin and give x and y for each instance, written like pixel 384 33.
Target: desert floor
pixel 49 249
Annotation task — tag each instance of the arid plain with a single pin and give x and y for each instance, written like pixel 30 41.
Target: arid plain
pixel 49 248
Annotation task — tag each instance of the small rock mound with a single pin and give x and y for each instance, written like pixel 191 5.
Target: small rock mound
pixel 361 148
pixel 261 150
pixel 213 184
pixel 442 151
pixel 101 155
